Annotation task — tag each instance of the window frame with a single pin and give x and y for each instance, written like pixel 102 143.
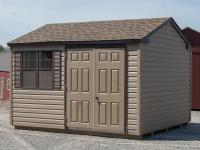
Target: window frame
pixel 37 69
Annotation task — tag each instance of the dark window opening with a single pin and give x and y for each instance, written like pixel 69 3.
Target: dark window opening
pixel 45 61
pixel 37 70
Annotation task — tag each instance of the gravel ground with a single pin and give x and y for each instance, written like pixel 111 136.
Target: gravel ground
pixel 185 138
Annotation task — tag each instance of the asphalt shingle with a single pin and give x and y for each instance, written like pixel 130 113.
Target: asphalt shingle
pixel 92 31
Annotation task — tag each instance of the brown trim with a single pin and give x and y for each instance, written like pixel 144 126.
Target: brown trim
pixel 139 53
pixel 126 90
pixel 11 88
pixel 36 43
pixel 180 32
pixel 65 88
pixel 190 101
pixel 77 42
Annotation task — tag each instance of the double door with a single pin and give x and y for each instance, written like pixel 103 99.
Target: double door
pixel 95 89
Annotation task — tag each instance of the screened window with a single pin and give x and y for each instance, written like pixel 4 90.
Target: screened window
pixel 45 60
pixel 37 70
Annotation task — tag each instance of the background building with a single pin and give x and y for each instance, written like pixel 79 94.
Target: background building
pixel 4 74
pixel 194 38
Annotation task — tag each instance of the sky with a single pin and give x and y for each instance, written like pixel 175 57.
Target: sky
pixel 18 17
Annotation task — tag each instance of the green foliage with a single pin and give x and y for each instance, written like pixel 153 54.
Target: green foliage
pixel 1 48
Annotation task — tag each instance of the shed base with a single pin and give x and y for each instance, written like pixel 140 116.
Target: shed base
pixel 92 133
pixel 81 132
pixel 165 130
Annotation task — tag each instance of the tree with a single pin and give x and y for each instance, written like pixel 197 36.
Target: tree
pixel 1 48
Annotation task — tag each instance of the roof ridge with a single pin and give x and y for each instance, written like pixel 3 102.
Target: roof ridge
pixel 98 21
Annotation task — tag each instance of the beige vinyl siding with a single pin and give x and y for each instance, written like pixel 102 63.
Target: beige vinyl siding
pixel 165 81
pixel 38 108
pixel 133 58
pixel 44 107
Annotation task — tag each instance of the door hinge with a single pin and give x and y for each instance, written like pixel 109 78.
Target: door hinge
pixel 65 88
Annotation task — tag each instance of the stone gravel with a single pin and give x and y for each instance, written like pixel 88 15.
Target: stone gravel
pixel 186 138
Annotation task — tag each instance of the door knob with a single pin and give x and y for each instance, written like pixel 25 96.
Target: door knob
pixel 97 98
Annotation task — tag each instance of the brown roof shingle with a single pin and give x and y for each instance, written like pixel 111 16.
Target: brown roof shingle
pixel 92 31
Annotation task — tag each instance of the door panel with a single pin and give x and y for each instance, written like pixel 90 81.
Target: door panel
pixel 95 96
pixel 80 89
pixel 109 90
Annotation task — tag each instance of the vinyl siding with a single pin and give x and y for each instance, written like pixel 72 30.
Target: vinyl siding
pixel 133 58
pixel 165 81
pixel 38 108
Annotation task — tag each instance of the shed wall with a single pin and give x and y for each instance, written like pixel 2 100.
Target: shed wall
pixel 165 81
pixel 133 89
pixel 38 108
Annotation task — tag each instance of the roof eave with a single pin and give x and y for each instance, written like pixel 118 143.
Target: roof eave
pixel 124 41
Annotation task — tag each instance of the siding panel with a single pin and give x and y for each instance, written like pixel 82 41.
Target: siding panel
pixel 133 58
pixel 165 81
pixel 44 108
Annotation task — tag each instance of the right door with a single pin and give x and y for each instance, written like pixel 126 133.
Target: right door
pixel 109 90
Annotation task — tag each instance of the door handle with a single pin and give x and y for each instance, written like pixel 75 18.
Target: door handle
pixel 97 98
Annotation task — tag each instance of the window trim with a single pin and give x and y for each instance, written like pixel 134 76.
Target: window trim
pixel 37 70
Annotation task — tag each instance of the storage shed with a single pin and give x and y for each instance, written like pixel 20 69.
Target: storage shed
pixel 127 77
pixel 193 37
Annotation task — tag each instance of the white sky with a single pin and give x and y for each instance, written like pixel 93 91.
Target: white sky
pixel 21 16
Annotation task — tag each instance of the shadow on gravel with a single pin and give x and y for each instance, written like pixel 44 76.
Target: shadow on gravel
pixel 190 132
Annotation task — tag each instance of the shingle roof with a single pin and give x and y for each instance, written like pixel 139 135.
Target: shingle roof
pixel 92 31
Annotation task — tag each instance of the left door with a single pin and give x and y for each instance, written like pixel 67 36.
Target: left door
pixel 79 88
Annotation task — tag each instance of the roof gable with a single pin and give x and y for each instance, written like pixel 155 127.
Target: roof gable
pixel 193 36
pixel 92 31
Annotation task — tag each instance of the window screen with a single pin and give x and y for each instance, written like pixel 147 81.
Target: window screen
pixel 45 80
pixel 29 79
pixel 45 60
pixel 37 70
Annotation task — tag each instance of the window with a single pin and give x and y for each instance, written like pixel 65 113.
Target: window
pixel 37 70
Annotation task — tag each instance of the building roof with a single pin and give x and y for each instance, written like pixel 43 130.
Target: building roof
pixel 4 61
pixel 193 36
pixel 92 31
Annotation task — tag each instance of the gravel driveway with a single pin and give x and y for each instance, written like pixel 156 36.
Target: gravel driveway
pixel 187 137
